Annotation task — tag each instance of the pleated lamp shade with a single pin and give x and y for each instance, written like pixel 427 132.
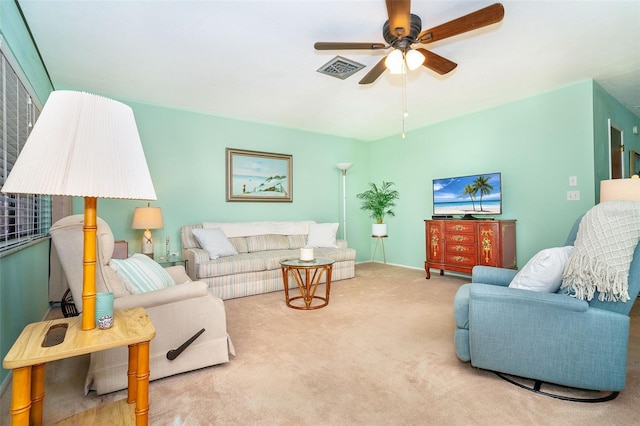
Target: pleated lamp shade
pixel 87 146
pixel 83 145
pixel 620 189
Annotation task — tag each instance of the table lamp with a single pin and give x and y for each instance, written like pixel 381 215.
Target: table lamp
pixel 620 189
pixel 147 218
pixel 83 145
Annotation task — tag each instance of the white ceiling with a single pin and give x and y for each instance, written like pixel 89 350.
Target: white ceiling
pixel 254 60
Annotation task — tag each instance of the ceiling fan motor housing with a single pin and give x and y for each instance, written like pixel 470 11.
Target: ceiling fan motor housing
pixel 406 41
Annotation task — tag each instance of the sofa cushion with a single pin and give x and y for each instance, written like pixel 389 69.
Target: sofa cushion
pixel 339 254
pixel 267 242
pixel 187 238
pixel 544 271
pixel 215 242
pixel 238 264
pixel 141 274
pixel 297 241
pixel 240 243
pixel 322 235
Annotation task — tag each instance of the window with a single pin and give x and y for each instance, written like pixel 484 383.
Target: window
pixel 23 217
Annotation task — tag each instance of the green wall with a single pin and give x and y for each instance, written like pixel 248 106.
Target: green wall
pixel 536 143
pixel 19 43
pixel 185 152
pixel 24 298
pixel 24 274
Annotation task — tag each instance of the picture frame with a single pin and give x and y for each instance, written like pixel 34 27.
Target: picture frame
pixel 259 176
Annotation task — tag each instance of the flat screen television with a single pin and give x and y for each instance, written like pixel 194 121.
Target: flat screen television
pixel 469 196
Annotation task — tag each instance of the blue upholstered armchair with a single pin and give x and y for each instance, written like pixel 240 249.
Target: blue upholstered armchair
pixel 547 337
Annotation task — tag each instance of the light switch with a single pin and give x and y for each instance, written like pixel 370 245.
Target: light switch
pixel 573 180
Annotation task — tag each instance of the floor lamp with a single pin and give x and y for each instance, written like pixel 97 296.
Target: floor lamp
pixel 83 145
pixel 344 167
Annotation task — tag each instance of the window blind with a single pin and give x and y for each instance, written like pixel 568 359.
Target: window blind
pixel 23 217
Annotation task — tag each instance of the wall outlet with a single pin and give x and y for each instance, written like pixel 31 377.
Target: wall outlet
pixel 573 195
pixel 573 181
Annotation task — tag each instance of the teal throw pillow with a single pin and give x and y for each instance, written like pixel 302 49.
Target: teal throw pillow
pixel 141 274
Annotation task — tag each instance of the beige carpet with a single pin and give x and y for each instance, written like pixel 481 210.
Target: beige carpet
pixel 381 353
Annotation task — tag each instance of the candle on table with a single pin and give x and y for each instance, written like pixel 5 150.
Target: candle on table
pixel 306 253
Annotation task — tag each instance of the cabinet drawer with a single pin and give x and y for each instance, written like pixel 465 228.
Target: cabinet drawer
pixel 460 228
pixel 458 238
pixel 461 259
pixel 465 249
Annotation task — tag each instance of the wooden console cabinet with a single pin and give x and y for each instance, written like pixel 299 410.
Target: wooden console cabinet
pixel 459 245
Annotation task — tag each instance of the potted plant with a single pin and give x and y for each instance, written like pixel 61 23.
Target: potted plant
pixel 379 201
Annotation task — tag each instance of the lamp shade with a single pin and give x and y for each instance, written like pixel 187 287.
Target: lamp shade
pixel 83 145
pixel 414 59
pixel 620 189
pixel 395 62
pixel 147 218
pixel 344 166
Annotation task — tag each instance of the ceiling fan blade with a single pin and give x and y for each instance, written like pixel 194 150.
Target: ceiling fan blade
pixel 478 19
pixel 375 72
pixel 399 12
pixel 321 45
pixel 437 63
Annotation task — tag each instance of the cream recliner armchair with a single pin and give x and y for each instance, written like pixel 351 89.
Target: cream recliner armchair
pixel 177 312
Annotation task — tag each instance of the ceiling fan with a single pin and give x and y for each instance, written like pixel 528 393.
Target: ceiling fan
pixel 403 29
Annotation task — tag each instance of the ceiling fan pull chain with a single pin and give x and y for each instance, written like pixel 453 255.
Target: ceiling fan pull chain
pixel 405 113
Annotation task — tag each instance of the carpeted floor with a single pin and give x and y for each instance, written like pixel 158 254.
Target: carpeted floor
pixel 381 353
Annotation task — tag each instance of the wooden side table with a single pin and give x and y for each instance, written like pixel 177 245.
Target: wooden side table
pixel 313 271
pixel 27 358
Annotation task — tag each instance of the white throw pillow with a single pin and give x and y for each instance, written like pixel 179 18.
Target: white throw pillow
pixel 544 271
pixel 215 242
pixel 141 274
pixel 322 235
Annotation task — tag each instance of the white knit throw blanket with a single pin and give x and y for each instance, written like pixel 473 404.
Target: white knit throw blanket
pixel 607 236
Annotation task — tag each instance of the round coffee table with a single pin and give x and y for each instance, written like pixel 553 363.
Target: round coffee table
pixel 307 275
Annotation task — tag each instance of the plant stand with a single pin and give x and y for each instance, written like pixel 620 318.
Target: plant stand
pixel 380 241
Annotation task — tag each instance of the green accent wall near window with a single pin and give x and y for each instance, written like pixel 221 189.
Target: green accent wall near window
pixel 24 275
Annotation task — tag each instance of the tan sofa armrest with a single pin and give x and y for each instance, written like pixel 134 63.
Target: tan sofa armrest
pixel 167 295
pixel 194 257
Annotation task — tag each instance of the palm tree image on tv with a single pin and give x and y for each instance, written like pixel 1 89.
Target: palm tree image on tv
pixel 482 185
pixel 471 191
pixel 466 195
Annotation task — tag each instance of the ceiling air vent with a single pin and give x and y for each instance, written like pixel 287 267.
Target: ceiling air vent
pixel 340 67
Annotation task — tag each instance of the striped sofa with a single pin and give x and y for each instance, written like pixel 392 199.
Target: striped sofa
pixel 260 246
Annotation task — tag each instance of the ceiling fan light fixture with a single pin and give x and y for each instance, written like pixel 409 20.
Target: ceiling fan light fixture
pixel 395 62
pixel 414 59
pixel 399 70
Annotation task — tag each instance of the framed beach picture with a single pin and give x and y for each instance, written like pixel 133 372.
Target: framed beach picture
pixel 258 176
